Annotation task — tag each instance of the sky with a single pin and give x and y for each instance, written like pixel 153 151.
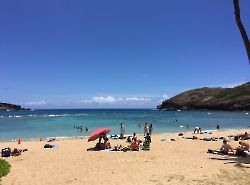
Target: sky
pixel 117 54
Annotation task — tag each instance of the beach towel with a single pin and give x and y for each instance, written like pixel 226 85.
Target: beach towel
pixel 114 137
pixel 247 153
pixel 50 146
pixel 106 150
pixel 219 152
pixel 208 131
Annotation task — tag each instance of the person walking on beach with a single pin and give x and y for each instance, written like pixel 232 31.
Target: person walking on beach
pixel 146 129
pixel 122 131
pixel 150 129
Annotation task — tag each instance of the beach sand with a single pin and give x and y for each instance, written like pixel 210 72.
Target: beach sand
pixel 168 162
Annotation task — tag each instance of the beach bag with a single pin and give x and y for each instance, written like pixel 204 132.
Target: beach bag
pixel 125 148
pixel 6 152
pixel 47 146
pixel 236 138
pixel 180 134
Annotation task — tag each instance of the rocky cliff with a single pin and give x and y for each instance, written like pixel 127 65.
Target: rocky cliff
pixel 230 99
pixel 10 107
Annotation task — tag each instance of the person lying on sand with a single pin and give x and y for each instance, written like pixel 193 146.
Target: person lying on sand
pixel 100 145
pixel 237 137
pixel 244 136
pixel 117 148
pixel 209 139
pixel 17 152
pixel 193 137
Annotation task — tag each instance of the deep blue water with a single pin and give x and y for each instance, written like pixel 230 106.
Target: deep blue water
pixel 49 123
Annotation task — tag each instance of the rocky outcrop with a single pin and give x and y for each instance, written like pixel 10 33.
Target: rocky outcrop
pixel 10 107
pixel 229 99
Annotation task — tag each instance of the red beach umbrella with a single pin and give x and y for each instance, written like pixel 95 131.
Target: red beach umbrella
pixel 96 134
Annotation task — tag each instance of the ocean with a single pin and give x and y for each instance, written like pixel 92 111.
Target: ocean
pixel 35 124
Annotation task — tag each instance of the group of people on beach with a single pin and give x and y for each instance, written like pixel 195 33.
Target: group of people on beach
pixel 242 150
pixel 134 143
pixel 239 151
pixel 148 128
pixel 198 129
pixel 7 152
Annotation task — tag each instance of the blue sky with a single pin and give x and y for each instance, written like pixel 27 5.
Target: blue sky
pixel 119 54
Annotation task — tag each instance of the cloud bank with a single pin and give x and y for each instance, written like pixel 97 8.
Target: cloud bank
pixel 114 100
pixel 35 103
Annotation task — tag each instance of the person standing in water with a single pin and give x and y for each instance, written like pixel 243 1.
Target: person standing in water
pixel 150 129
pixel 146 129
pixel 122 131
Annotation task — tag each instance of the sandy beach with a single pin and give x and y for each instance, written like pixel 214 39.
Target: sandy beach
pixel 168 162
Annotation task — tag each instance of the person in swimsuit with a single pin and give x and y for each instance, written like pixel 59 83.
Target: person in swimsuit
pixel 225 148
pixel 134 145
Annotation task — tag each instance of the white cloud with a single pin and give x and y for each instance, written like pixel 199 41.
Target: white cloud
pixel 164 97
pixel 113 100
pixel 107 99
pixel 35 103
pixel 229 85
pixel 137 99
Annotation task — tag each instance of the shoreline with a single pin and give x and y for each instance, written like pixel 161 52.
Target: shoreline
pixel 85 137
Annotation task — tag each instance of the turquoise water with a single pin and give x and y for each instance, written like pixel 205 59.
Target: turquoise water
pixel 50 123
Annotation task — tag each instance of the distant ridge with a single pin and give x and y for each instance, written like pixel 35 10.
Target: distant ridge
pixel 229 99
pixel 10 107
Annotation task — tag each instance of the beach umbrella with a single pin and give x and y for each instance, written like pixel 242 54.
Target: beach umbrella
pixel 96 134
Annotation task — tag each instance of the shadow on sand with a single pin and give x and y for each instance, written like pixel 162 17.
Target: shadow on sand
pixel 240 162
